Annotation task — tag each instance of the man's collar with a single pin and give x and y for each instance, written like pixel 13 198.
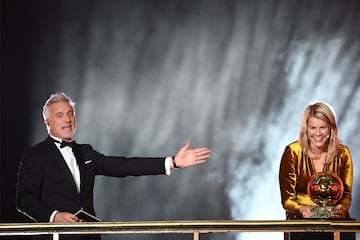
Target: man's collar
pixel 59 140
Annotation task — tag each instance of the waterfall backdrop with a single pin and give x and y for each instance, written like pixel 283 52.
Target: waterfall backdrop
pixel 148 75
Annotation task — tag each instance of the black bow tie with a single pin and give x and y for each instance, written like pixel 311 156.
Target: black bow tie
pixel 69 144
pixel 65 143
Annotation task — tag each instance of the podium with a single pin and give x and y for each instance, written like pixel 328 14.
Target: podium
pixel 318 236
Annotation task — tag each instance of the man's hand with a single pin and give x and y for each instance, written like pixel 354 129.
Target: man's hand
pixel 187 157
pixel 65 217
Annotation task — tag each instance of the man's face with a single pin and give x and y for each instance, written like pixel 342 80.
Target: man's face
pixel 61 120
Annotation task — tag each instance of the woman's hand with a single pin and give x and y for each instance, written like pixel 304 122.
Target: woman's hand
pixel 339 212
pixel 306 211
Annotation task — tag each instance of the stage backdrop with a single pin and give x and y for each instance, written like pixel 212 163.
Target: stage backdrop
pixel 147 76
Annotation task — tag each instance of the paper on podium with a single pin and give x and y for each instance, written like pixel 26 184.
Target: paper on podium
pixel 86 217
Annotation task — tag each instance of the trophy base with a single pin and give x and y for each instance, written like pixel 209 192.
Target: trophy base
pixel 323 212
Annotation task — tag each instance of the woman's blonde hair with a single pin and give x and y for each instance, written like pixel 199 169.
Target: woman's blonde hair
pixel 326 113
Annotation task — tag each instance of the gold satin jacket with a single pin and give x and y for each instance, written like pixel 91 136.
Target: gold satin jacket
pixel 296 171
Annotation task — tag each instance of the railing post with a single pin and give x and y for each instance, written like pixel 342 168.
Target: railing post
pixel 196 235
pixel 336 235
pixel 55 236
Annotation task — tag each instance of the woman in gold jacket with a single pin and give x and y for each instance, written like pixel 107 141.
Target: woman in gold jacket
pixel 318 149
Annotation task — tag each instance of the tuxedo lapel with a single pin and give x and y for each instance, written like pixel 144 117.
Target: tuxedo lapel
pixel 59 160
pixel 81 164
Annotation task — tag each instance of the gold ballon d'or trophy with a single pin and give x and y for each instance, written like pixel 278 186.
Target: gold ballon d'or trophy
pixel 325 189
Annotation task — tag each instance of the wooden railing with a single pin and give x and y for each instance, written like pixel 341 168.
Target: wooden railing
pixel 195 227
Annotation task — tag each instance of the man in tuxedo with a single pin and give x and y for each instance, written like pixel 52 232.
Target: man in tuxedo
pixel 56 176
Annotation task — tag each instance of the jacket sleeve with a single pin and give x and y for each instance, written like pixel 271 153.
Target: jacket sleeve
pixel 118 166
pixel 288 180
pixel 28 191
pixel 346 175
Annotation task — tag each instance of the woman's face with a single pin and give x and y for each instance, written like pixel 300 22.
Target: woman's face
pixel 318 133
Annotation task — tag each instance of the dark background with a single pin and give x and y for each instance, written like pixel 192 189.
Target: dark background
pixel 233 75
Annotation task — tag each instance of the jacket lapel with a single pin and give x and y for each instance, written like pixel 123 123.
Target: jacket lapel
pixel 59 160
pixel 81 164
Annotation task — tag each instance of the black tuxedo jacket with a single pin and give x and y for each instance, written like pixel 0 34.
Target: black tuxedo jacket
pixel 45 182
